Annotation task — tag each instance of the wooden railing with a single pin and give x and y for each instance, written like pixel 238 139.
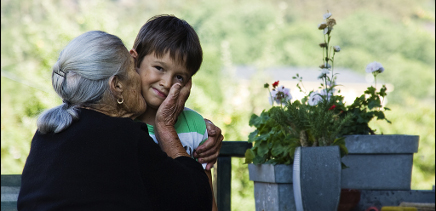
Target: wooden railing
pixel 222 178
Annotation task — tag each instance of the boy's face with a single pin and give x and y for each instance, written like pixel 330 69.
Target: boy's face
pixel 158 75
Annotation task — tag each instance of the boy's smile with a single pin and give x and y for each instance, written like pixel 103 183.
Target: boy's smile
pixel 158 75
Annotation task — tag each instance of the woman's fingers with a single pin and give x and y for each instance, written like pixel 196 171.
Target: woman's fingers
pixel 208 152
pixel 171 107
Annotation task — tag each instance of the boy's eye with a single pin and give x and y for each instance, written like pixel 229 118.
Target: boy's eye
pixel 158 68
pixel 180 78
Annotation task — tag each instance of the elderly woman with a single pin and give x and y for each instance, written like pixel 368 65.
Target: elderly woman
pixel 89 154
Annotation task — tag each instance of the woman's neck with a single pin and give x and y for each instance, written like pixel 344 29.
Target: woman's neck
pixel 149 116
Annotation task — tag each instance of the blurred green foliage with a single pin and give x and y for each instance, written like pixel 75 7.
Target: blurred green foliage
pixel 399 34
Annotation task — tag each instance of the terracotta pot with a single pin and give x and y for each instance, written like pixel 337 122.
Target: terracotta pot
pixel 349 199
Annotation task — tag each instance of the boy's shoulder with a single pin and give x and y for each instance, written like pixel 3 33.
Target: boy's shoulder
pixel 191 114
pixel 190 120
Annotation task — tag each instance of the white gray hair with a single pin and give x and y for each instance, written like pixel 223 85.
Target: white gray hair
pixel 81 75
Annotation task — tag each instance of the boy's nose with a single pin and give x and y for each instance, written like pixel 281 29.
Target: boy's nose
pixel 166 82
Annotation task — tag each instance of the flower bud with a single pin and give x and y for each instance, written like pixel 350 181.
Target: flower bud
pixel 266 85
pixel 275 84
pixel 323 45
pixel 332 107
pixel 331 22
pixel 325 66
pixel 322 25
pixel 337 48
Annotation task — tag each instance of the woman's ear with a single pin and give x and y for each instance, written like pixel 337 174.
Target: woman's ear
pixel 116 86
pixel 133 53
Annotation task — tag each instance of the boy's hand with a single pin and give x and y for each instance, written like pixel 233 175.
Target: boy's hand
pixel 208 152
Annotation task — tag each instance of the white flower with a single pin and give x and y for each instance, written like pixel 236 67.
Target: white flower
pixel 280 95
pixel 325 94
pixel 337 48
pixel 326 30
pixel 374 67
pixel 327 15
pixel 314 98
pixel 324 72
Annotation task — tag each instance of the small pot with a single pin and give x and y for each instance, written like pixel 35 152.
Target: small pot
pixel 349 199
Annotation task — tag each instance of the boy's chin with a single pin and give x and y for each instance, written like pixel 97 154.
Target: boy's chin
pixel 153 106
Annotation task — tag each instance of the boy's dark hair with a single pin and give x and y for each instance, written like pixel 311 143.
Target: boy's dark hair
pixel 163 33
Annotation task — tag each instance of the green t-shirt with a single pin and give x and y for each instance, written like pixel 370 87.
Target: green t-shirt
pixel 191 128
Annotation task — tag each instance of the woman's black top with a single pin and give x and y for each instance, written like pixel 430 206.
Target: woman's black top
pixel 106 163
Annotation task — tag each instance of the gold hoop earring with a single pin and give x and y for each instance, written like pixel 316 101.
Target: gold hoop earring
pixel 120 102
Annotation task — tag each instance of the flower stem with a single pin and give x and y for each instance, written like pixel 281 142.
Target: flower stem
pixel 333 61
pixel 375 81
pixel 272 99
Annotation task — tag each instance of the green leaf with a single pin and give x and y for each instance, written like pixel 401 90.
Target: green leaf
pixel 249 156
pixel 341 143
pixel 254 120
pixel 370 90
pixel 252 136
pixel 383 91
pixel 374 103
pixel 262 149
pixel 343 166
pixel 380 114
pixel 277 150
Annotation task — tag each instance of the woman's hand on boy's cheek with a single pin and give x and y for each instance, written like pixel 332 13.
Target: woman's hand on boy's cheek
pixel 208 152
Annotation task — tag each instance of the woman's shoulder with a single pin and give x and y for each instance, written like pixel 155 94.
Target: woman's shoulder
pixel 92 124
pixel 93 116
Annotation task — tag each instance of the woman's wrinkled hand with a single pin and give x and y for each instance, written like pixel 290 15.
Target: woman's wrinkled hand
pixel 208 152
pixel 173 105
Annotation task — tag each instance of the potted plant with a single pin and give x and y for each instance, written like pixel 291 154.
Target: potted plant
pixel 314 134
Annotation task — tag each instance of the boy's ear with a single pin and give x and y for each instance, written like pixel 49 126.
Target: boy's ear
pixel 116 86
pixel 133 53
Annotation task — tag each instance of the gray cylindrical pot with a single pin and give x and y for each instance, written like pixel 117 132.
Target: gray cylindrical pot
pixel 317 178
pixel 272 187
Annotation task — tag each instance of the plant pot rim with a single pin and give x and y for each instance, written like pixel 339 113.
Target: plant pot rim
pixel 382 144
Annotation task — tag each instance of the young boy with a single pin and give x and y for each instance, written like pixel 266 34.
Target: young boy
pixel 167 50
